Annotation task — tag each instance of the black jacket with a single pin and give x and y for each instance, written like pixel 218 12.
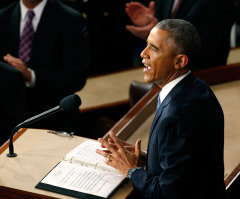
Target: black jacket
pixel 185 147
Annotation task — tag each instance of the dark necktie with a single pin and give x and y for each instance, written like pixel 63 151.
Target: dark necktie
pixel 26 39
pixel 176 9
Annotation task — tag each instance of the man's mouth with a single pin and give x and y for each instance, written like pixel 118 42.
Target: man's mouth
pixel 146 68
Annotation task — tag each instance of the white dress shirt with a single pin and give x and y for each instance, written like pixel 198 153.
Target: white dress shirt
pixel 168 87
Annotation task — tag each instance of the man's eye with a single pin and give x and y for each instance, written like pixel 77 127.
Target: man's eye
pixel 154 49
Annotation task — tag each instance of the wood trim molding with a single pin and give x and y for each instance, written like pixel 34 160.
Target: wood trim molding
pixel 7 192
pixel 232 177
pixel 110 105
pixel 137 114
pixel 220 74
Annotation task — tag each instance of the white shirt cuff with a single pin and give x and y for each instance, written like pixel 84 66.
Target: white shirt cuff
pixel 33 79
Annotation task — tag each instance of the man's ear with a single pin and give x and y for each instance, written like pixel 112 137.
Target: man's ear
pixel 181 61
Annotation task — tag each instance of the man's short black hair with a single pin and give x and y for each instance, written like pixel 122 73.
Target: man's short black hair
pixel 183 37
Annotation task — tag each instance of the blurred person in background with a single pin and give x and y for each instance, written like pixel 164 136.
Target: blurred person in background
pixel 213 20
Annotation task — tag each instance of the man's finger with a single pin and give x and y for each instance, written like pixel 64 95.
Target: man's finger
pixel 103 153
pixel 151 6
pixel 138 147
pixel 116 141
pixel 10 58
pixel 107 145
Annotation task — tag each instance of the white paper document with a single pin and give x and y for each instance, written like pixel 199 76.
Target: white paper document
pixel 83 171
pixel 83 179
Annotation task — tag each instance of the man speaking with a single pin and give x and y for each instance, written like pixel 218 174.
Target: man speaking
pixel 184 159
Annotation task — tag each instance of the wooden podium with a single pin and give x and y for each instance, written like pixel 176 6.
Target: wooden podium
pixel 37 153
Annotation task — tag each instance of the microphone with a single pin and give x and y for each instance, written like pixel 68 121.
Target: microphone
pixel 67 104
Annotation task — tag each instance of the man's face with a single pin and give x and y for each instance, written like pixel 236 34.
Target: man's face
pixel 158 57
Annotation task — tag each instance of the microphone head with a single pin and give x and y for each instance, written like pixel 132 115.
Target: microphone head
pixel 70 103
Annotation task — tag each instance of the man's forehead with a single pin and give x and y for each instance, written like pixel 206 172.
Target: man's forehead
pixel 159 33
pixel 157 36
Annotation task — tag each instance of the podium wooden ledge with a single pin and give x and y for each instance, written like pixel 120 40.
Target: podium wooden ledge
pixel 37 153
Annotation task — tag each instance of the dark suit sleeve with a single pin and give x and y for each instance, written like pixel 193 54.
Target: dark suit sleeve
pixel 175 155
pixel 12 102
pixel 68 73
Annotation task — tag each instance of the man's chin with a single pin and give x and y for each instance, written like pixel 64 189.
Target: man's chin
pixel 151 80
pixel 146 80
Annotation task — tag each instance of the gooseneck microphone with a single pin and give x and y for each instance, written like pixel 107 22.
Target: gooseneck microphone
pixel 67 104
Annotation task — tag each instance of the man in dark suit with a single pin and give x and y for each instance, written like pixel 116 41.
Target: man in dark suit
pixel 12 100
pixel 185 147
pixel 59 55
pixel 213 20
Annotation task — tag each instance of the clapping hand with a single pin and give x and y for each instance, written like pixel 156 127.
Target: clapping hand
pixel 139 14
pixel 142 18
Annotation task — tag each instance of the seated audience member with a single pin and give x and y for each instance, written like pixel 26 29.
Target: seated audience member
pixel 12 100
pixel 47 42
pixel 213 20
pixel 184 159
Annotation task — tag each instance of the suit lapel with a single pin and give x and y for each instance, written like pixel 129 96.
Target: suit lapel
pixel 184 8
pixel 45 23
pixel 159 111
pixel 168 9
pixel 14 31
pixel 46 20
pixel 175 91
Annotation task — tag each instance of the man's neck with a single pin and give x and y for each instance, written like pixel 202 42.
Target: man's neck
pixel 174 76
pixel 31 4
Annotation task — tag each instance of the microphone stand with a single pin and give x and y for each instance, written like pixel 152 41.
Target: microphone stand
pixel 29 121
pixel 67 104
